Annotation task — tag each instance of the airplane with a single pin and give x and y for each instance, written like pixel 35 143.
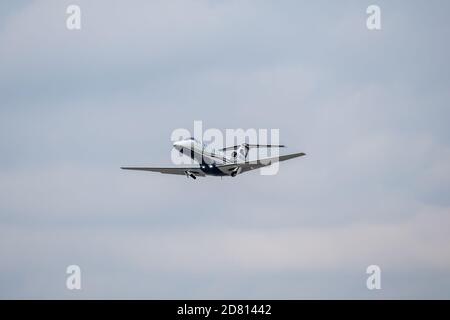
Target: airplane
pixel 215 162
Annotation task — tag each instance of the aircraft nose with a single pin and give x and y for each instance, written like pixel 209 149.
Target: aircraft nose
pixel 177 145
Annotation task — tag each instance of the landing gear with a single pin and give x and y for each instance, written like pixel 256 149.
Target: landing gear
pixel 190 174
pixel 235 172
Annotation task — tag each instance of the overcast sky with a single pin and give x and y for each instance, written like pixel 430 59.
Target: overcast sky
pixel 370 109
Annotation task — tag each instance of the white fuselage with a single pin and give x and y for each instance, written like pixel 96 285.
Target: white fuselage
pixel 207 157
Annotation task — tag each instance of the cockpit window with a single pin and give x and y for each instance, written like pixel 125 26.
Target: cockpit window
pixel 195 140
pixel 206 147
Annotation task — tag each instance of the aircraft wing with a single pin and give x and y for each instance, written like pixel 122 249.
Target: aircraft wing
pixel 256 164
pixel 174 170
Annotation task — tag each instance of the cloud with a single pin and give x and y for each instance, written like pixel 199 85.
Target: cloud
pixel 200 253
pixel 369 109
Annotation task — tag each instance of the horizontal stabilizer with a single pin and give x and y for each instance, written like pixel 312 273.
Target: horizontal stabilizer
pixel 253 146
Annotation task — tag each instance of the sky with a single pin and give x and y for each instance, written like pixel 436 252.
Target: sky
pixel 369 108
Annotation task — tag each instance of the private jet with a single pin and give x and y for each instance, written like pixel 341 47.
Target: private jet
pixel 212 162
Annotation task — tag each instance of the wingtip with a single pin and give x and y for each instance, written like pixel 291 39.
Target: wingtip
pixel 300 154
